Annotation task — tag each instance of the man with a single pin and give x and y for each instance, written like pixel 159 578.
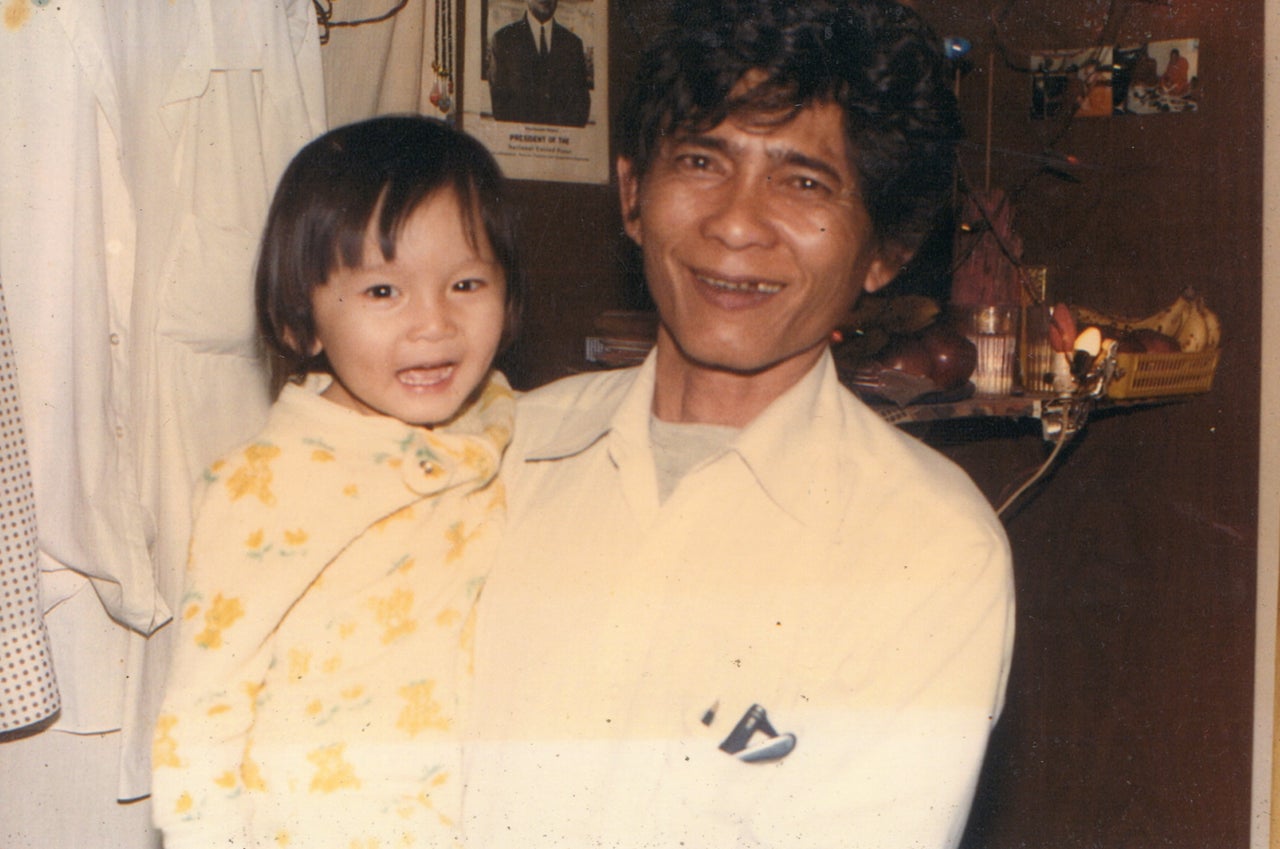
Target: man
pixel 538 71
pixel 1176 79
pixel 735 607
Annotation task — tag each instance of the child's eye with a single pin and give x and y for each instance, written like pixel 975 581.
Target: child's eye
pixel 470 285
pixel 380 290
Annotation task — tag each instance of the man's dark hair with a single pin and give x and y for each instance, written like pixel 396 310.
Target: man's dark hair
pixel 876 59
pixel 327 200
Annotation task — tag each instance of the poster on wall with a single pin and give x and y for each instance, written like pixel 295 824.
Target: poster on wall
pixel 536 88
pixel 1159 76
pixel 1098 82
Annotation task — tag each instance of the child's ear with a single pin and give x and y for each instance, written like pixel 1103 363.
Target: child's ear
pixel 291 339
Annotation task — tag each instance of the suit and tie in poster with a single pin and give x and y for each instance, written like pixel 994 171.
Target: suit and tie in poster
pixel 536 87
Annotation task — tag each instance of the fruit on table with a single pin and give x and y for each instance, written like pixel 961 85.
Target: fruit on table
pixel 1187 320
pixel 1144 340
pixel 939 352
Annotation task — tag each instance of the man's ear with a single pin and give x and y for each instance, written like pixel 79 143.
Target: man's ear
pixel 886 265
pixel 629 198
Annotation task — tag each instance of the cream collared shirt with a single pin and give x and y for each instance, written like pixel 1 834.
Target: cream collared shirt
pixel 825 569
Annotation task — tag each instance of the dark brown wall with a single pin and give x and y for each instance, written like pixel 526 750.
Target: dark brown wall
pixel 1130 704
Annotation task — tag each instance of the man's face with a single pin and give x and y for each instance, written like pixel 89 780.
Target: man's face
pixel 756 243
pixel 543 9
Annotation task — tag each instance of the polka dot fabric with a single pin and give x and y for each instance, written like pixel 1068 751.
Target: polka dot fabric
pixel 28 690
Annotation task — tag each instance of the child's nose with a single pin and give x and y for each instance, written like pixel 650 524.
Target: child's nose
pixel 433 319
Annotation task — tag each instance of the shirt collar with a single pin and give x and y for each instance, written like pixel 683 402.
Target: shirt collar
pixel 797 449
pixel 535 26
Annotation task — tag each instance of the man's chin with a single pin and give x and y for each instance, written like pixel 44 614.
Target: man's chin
pixel 746 364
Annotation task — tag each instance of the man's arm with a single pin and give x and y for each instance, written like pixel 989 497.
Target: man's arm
pixel 504 89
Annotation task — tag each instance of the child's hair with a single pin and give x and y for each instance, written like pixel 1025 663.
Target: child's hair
pixel 326 201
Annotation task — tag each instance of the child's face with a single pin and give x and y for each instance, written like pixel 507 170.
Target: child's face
pixel 412 338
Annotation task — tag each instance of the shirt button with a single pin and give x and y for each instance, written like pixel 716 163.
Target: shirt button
pixel 115 338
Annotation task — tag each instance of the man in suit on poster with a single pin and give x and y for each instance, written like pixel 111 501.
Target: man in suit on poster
pixel 538 71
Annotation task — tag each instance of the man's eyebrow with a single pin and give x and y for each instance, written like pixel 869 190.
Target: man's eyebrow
pixel 706 142
pixel 790 156
pixel 783 155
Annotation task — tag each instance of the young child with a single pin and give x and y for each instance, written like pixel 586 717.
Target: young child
pixel 324 637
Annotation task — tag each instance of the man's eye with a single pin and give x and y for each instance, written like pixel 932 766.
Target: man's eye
pixel 695 161
pixel 810 184
pixel 380 290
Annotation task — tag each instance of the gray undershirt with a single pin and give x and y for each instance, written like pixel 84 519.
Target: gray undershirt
pixel 678 447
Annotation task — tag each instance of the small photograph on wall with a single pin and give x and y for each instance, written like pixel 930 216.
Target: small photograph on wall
pixel 1075 82
pixel 536 86
pixel 1159 76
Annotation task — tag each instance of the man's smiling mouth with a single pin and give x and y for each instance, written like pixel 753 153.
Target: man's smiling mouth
pixel 762 287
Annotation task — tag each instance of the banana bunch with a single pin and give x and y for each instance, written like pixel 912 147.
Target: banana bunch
pixel 1187 319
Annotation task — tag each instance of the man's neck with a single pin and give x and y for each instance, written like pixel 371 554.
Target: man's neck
pixel 692 393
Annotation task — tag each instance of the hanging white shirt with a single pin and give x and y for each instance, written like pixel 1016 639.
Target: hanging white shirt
pixel 139 145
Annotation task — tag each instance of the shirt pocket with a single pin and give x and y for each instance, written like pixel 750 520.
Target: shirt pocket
pixel 207 300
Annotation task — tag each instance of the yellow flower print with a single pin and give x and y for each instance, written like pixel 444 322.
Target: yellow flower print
pixel 183 804
pixel 447 617
pixel 210 474
pixel 476 458
pixel 497 497
pixel 346 629
pixel 421 710
pixel 295 537
pixel 352 692
pixel 226 780
pixel 16 13
pixel 221 615
pixel 458 539
pixel 254 540
pixel 351 490
pixel 392 612
pixel 220 707
pixel 333 771
pixel 498 434
pixel 299 663
pixel 190 612
pixel 314 707
pixel 399 515
pixel 283 838
pixel 254 477
pixel 251 775
pixel 164 749
pixel 322 455
pixel 467 642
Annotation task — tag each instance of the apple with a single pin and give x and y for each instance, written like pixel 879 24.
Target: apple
pixel 906 354
pixel 940 352
pixel 954 355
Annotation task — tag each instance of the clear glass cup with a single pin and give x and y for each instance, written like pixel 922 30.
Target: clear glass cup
pixel 993 329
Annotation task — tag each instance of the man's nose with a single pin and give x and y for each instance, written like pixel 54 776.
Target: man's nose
pixel 740 214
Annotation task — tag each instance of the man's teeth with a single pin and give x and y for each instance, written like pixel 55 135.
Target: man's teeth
pixel 759 286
